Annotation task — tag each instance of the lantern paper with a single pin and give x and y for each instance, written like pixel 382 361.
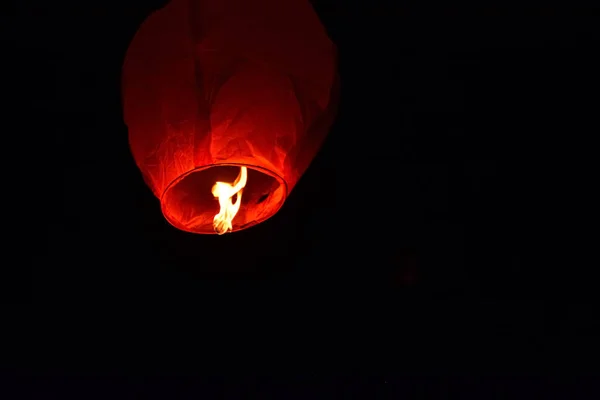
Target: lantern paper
pixel 212 85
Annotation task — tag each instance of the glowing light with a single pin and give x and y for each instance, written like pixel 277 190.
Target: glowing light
pixel 224 192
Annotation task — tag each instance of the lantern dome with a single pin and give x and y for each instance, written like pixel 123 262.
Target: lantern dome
pixel 226 103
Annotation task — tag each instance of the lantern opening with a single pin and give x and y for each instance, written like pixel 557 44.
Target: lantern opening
pixel 189 203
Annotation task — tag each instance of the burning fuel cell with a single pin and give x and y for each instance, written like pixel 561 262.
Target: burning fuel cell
pixel 228 209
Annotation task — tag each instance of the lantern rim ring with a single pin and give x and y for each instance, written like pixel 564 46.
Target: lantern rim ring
pixel 258 168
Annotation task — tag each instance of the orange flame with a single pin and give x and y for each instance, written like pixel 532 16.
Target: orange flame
pixel 224 192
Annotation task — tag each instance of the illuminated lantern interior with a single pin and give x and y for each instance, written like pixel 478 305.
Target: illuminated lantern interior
pixel 227 102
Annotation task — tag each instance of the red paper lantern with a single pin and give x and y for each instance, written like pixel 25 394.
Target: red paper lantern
pixel 211 86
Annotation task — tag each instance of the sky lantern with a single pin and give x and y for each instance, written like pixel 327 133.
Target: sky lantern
pixel 227 102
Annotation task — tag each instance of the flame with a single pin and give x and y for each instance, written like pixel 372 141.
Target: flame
pixel 224 192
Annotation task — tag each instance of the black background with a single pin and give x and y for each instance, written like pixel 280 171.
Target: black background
pixel 476 119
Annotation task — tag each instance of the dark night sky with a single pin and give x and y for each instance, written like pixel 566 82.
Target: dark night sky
pixel 466 112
